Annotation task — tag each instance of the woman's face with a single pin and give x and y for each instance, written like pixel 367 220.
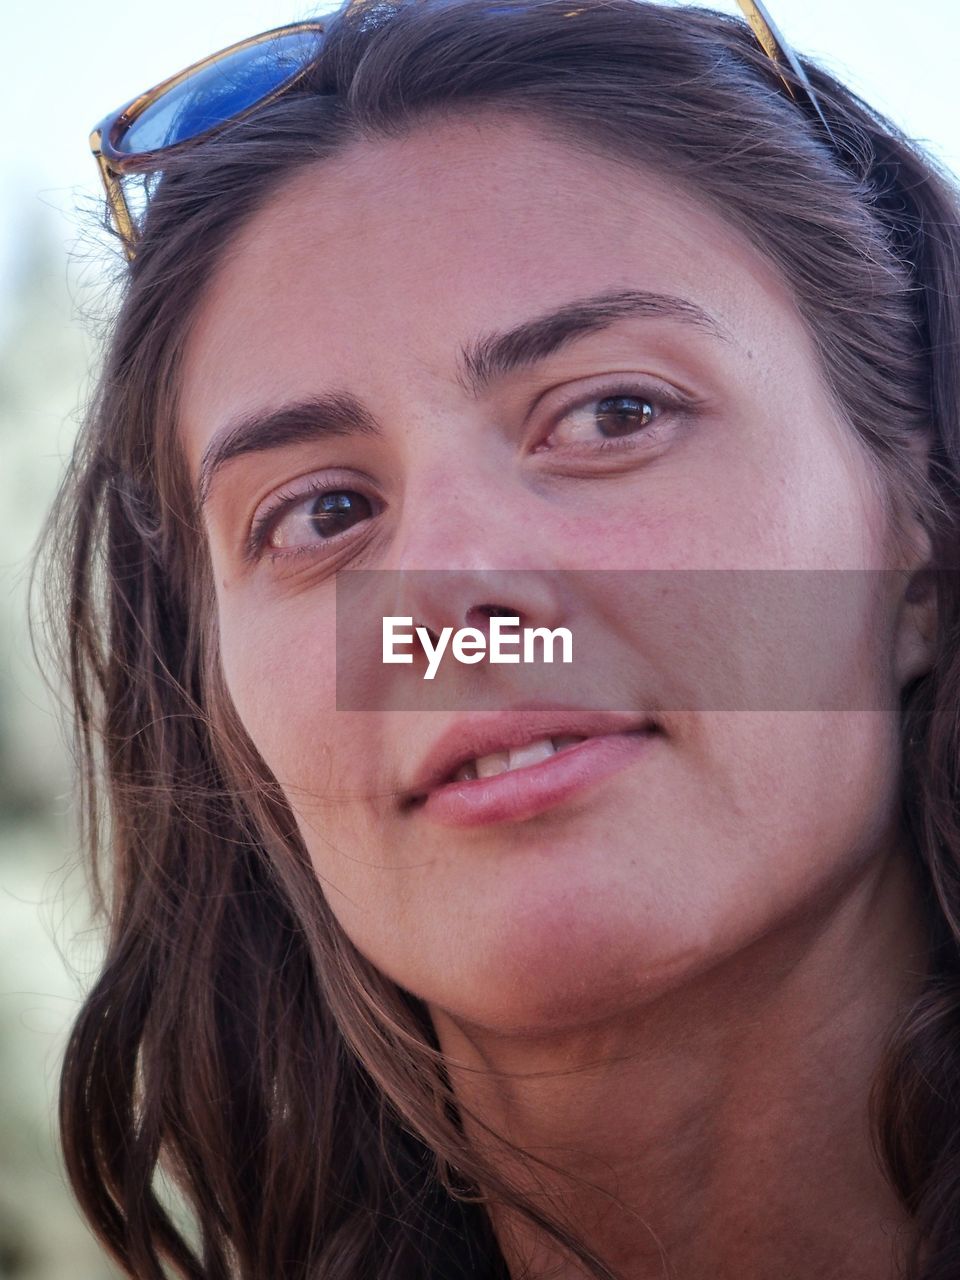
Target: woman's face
pixel 368 278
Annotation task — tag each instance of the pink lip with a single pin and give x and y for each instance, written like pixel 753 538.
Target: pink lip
pixel 523 793
pixel 480 733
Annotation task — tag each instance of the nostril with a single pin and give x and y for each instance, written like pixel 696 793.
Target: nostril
pixel 478 614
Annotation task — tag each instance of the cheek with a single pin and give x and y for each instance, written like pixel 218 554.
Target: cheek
pixel 770 788
pixel 776 805
pixel 752 497
pixel 279 665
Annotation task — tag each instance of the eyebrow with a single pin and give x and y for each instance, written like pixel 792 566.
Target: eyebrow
pixel 498 354
pixel 337 414
pixel 481 363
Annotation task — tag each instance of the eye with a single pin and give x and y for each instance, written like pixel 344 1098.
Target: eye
pixel 298 520
pixel 618 412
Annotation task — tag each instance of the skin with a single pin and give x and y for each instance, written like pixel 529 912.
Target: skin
pixel 677 985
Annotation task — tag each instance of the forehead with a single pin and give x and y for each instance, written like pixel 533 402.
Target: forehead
pixel 371 269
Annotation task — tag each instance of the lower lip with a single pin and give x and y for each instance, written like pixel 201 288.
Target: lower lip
pixel 518 794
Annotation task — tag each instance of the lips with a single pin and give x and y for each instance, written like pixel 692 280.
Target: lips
pixel 497 762
pixel 492 743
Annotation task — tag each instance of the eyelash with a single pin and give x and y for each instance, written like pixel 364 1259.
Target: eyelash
pixel 667 402
pixel 287 499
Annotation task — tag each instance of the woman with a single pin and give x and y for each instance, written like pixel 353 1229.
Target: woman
pixel 655 973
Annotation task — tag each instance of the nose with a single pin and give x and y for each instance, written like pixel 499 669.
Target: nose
pixel 475 546
pixel 457 598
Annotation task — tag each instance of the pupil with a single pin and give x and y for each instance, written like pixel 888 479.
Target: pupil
pixel 623 418
pixel 334 512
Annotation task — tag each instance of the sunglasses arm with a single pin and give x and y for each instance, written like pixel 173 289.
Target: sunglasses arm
pixel 115 197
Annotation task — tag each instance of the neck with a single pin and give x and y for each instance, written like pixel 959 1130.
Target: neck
pixel 720 1129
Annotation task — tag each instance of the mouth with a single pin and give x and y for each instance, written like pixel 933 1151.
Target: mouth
pixel 517 781
pixel 497 762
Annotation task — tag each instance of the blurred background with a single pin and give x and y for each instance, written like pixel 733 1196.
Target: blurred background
pixel 67 65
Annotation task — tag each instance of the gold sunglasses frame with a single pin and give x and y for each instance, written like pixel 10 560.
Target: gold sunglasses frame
pixel 113 165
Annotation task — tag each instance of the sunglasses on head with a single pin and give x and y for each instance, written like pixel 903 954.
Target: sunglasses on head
pixel 227 86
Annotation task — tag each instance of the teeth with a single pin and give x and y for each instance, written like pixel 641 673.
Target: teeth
pixel 532 753
pixel 490 766
pixel 517 758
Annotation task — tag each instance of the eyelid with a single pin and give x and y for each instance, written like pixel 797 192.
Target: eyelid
pixel 285 499
pixel 600 384
pixel 607 386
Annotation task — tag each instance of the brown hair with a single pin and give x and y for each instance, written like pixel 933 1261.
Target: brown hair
pixel 236 1041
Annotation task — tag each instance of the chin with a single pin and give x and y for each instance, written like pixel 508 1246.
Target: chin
pixel 551 976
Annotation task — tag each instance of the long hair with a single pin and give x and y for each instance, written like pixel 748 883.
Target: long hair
pixel 236 1045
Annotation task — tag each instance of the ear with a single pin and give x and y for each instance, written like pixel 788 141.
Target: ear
pixel 916 626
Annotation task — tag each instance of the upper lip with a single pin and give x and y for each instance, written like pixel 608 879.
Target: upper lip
pixel 483 733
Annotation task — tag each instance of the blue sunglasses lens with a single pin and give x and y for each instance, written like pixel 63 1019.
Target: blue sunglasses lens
pixel 220 91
